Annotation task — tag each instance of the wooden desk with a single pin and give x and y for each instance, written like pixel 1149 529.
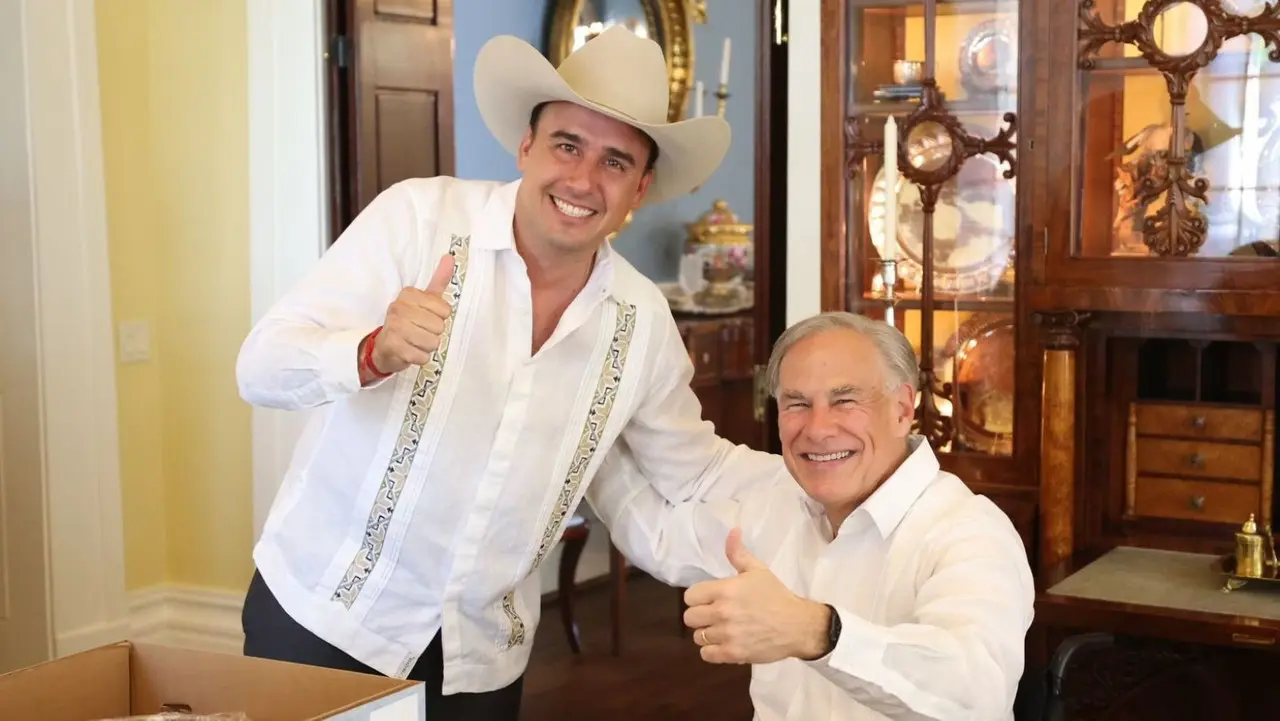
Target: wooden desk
pixel 1159 594
pixel 1183 649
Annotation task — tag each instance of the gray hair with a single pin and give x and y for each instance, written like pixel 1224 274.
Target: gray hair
pixel 895 351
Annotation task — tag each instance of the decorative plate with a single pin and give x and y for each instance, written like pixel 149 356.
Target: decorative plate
pixel 973 225
pixel 982 391
pixel 989 58
pixel 683 302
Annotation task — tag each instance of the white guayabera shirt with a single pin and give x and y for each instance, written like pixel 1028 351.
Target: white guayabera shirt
pixel 428 501
pixel 931 582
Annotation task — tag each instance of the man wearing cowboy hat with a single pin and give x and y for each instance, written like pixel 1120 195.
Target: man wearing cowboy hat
pixel 474 350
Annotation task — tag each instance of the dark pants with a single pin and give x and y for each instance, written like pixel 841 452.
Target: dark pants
pixel 269 632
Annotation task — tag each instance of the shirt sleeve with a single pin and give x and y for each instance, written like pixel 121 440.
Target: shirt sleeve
pixel 678 543
pixel 962 655
pixel 676 450
pixel 303 352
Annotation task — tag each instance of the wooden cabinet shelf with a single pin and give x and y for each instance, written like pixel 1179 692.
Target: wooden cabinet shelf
pixel 959 107
pixel 945 7
pixel 941 301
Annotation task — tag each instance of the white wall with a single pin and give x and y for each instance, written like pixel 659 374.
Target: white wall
pixel 804 156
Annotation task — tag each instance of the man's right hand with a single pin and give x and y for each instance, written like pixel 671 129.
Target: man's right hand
pixel 414 323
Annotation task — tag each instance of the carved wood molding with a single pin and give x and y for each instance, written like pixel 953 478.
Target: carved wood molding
pixel 1061 329
pixel 1178 227
pixel 964 145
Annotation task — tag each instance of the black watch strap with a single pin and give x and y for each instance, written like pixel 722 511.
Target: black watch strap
pixel 833 629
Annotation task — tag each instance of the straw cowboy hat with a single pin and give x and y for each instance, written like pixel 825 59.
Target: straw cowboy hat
pixel 617 74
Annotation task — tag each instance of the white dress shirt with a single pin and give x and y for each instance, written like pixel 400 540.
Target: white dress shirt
pixel 931 582
pixel 427 501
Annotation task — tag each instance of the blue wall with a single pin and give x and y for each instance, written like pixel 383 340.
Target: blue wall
pixel 653 242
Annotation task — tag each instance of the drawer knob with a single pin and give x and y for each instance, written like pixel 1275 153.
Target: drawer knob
pixel 706 357
pixel 1195 460
pixel 1196 502
pixel 1197 422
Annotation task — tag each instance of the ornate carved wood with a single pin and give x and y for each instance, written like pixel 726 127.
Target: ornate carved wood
pixel 930 422
pixel 1178 227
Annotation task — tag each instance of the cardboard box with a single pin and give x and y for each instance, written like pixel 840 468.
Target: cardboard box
pixel 127 679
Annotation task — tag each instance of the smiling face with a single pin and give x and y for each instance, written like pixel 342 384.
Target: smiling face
pixel 583 172
pixel 843 429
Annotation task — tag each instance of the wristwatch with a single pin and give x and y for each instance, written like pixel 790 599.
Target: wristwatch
pixel 833 629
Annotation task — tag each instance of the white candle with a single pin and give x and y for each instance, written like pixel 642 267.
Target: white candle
pixel 697 99
pixel 724 64
pixel 890 189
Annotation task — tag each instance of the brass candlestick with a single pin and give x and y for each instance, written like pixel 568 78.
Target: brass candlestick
pixel 722 98
pixel 889 275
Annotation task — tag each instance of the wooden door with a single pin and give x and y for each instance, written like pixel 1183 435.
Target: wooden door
pixel 391 97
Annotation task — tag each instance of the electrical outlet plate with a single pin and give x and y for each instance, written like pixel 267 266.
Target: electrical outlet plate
pixel 135 342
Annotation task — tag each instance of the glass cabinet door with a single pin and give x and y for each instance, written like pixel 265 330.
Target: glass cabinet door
pixel 1174 144
pixel 929 245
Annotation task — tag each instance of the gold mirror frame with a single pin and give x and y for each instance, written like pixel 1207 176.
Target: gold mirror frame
pixel 674 24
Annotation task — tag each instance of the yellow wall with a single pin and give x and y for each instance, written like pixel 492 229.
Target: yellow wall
pixel 174 92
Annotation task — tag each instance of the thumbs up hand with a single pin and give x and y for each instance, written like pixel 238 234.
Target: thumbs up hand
pixel 752 617
pixel 414 322
pixel 739 555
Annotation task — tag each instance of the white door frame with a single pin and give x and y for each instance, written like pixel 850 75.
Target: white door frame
pixel 288 225
pixel 288 201
pixel 75 342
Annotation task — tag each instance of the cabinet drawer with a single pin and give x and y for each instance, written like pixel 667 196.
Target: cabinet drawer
pixel 738 350
pixel 1224 424
pixel 1189 499
pixel 705 351
pixel 1199 458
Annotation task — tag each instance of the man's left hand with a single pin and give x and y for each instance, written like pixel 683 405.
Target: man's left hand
pixel 752 617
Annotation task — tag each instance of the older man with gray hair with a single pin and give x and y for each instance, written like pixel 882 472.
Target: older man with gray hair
pixel 876 585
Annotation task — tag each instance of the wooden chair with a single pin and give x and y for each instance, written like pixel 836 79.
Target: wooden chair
pixel 575 536
pixel 574 539
pixel 618 599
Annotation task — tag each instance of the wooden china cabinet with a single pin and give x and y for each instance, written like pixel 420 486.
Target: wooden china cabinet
pixel 1082 244
pixel 953 279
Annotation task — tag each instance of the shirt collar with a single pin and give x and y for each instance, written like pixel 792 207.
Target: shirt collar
pixel 889 504
pixel 495 230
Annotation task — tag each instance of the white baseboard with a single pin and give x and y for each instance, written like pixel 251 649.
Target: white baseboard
pixel 208 619
pixel 83 639
pixel 204 619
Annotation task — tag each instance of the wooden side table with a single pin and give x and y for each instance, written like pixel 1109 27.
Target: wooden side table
pixel 1156 637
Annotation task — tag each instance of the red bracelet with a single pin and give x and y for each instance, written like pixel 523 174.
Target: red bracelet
pixel 368 354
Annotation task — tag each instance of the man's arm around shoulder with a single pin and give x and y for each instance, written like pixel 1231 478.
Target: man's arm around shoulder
pixel 676 450
pixel 679 543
